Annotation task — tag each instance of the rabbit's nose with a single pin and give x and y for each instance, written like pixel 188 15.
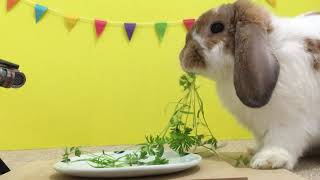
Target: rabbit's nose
pixel 192 57
pixel 197 50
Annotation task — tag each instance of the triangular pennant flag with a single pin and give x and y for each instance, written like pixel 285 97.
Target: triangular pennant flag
pixel 188 23
pixel 39 11
pixel 11 3
pixel 99 25
pixel 160 29
pixel 272 3
pixel 70 22
pixel 129 27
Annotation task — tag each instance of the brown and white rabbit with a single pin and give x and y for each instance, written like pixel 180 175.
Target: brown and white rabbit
pixel 267 73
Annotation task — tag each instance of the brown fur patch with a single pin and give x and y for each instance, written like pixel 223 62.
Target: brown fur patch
pixel 248 13
pixel 313 47
pixel 230 14
pixel 223 15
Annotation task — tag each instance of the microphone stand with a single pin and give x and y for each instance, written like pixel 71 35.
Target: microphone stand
pixel 3 167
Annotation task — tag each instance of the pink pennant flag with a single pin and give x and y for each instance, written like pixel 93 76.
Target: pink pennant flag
pixel 188 23
pixel 99 25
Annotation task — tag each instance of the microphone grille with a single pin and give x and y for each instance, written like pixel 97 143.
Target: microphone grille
pixel 19 80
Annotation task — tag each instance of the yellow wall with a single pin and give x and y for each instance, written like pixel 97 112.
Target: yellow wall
pixel 83 91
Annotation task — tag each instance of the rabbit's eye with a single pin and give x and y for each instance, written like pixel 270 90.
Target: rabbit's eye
pixel 217 27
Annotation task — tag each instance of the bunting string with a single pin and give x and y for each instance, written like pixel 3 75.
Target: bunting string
pixel 100 25
pixel 91 20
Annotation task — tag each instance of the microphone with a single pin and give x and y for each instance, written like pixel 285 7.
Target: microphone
pixel 10 76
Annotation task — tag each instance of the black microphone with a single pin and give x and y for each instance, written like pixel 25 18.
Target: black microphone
pixel 10 76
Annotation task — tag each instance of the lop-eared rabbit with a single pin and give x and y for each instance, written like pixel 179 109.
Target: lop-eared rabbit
pixel 267 74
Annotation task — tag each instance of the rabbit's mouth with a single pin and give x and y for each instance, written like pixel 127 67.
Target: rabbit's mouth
pixel 192 58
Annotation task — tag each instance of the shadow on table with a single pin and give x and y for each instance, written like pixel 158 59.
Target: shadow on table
pixel 58 176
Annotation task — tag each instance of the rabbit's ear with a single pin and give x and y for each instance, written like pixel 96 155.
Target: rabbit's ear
pixel 256 68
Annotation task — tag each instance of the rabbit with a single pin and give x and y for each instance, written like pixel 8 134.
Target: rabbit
pixel 267 74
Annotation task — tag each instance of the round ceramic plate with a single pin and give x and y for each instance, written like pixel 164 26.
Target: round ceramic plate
pixel 83 169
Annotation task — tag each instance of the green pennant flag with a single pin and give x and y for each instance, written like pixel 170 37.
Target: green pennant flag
pixel 160 29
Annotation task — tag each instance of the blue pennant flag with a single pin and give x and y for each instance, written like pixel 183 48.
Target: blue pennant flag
pixel 39 11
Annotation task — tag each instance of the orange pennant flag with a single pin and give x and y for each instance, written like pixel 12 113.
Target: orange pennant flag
pixel 70 22
pixel 272 3
pixel 11 3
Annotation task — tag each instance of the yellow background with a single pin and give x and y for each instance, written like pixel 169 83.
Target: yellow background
pixel 84 91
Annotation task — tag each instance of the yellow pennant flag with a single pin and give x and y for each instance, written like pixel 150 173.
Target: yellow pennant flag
pixel 70 22
pixel 272 3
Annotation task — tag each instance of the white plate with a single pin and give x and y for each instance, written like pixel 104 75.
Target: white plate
pixel 83 169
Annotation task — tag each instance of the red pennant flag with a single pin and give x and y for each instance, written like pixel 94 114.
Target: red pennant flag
pixel 188 23
pixel 99 25
pixel 11 3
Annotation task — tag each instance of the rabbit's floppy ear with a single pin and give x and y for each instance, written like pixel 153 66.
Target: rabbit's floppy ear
pixel 256 68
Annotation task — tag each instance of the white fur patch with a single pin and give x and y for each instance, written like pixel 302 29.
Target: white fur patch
pixel 198 39
pixel 272 158
pixel 215 58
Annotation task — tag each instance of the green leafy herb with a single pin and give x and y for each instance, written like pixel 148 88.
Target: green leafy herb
pixel 68 152
pixel 242 160
pixel 186 120
pixel 181 134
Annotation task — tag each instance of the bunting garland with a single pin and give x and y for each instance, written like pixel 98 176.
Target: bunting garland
pixel 100 25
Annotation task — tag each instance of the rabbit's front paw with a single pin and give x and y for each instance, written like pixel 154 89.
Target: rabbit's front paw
pixel 272 158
